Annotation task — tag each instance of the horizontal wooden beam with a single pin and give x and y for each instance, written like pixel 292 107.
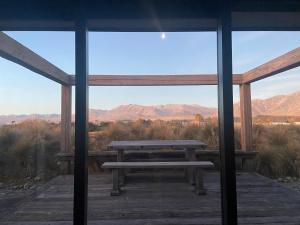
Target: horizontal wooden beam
pixel 280 64
pixel 14 51
pixel 155 80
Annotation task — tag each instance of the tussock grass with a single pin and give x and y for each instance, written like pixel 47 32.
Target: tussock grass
pixel 278 146
pixel 21 143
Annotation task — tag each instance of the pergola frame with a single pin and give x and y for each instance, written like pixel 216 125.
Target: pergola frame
pixel 18 53
pixel 222 16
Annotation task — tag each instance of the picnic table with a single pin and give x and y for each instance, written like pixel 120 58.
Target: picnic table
pixel 189 146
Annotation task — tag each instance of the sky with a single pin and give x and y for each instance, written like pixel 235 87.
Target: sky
pixel 25 92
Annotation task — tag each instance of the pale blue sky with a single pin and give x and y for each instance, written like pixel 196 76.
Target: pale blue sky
pixel 22 91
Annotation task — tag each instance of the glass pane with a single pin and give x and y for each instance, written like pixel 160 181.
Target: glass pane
pixel 267 163
pixel 35 185
pixel 155 121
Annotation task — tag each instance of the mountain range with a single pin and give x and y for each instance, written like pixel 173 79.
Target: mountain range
pixel 280 105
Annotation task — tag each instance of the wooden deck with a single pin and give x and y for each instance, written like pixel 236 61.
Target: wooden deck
pixel 161 199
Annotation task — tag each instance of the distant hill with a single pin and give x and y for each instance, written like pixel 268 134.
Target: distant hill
pixel 281 105
pixel 127 112
pixel 7 119
pixel 164 112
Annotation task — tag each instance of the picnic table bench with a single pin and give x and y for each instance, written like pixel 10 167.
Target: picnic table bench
pixel 197 165
pixel 244 160
pixel 189 146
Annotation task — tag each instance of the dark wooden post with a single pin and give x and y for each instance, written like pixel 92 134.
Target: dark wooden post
pixel 246 117
pixel 225 102
pixel 81 124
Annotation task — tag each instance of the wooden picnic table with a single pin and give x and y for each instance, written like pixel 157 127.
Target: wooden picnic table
pixel 188 145
pixel 156 144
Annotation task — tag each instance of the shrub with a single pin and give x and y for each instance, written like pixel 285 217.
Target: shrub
pixel 21 148
pixel 21 145
pixel 278 151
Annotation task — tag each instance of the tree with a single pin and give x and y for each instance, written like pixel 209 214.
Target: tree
pixel 199 118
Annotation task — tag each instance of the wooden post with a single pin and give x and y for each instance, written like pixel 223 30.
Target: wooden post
pixel 199 188
pixel 246 117
pixel 116 185
pixel 225 111
pixel 121 172
pixel 40 158
pixel 66 118
pixel 190 154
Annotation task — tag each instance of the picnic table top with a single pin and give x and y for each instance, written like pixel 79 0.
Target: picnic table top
pixel 193 164
pixel 156 144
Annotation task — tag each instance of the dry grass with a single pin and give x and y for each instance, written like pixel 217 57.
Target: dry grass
pixel 278 146
pixel 20 144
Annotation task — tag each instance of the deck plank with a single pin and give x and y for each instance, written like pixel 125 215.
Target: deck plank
pixel 160 199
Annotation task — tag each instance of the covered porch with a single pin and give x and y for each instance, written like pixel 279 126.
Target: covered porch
pixel 244 198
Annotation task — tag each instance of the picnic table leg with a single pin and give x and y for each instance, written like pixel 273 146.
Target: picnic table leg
pixel 190 154
pixel 116 187
pixel 199 188
pixel 69 166
pixel 121 175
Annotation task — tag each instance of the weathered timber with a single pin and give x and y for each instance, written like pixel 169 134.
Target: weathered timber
pixel 181 164
pixel 161 198
pixel 246 117
pixel 155 80
pixel 16 52
pixel 244 160
pixel 188 145
pixel 198 166
pixel 40 158
pixel 66 118
pixel 156 144
pixel 282 63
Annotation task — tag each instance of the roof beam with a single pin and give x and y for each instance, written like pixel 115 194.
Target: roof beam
pixel 150 15
pixel 14 51
pixel 280 64
pixel 263 21
pixel 155 80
